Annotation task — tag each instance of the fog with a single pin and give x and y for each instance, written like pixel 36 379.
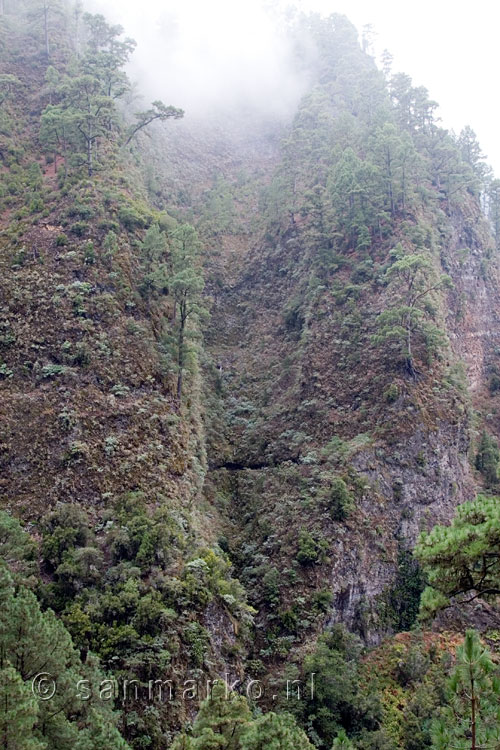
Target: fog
pixel 203 56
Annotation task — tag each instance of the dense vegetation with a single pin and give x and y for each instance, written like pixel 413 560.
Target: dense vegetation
pixel 236 391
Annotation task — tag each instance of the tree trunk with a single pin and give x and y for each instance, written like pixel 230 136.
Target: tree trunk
pixel 78 13
pixel 2 8
pixel 46 26
pixel 473 724
pixel 90 142
pixel 180 362
pixel 65 156
pixel 403 187
pixel 389 179
pixel 90 168
pixel 180 354
pixel 409 352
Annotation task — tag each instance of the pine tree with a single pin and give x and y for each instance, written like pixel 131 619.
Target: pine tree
pixel 472 155
pixel 34 642
pixel 396 160
pixel 494 210
pixel 337 701
pixel 8 85
pixel 158 112
pixel 472 718
pixel 274 732
pixel 183 742
pixel 101 734
pixel 350 184
pixel 413 281
pixel 462 560
pixel 57 131
pixel 221 719
pixel 342 742
pixel 18 713
pixel 488 459
pixel 106 55
pixel 17 550
pixel 92 112
pixel 186 286
pixel 154 261
pixel 45 12
pixel 387 60
pixel 82 113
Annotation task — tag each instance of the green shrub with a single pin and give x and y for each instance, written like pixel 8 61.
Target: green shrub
pixel 271 583
pixel 196 638
pixel 66 419
pixel 80 228
pixel 89 256
pixel 294 317
pixel 5 372
pixel 311 551
pixel 63 530
pixel 290 620
pixel 341 699
pixel 494 384
pixel 488 459
pixel 336 450
pixel 341 502
pixel 413 666
pixel 35 176
pixel 322 600
pixel 120 390
pixel 36 205
pixel 110 245
pixel 110 445
pixel 362 272
pixel 76 453
pixel 7 336
pixel 397 489
pixel 399 603
pixel 391 394
pixel 108 225
pixel 53 371
pixel 82 211
pixel 133 218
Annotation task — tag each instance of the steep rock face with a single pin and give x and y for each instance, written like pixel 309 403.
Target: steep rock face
pixel 434 467
pixel 416 467
pixel 283 399
pixel 407 462
pixel 420 485
pixel 305 395
pixel 473 320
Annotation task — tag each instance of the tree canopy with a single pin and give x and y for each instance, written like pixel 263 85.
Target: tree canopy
pixel 462 560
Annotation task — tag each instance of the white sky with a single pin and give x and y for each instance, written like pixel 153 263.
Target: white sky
pixel 228 49
pixel 449 46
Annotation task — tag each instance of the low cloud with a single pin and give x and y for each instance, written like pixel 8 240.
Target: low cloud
pixel 206 57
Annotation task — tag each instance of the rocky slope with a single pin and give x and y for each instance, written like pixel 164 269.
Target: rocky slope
pixel 300 394
pixel 309 447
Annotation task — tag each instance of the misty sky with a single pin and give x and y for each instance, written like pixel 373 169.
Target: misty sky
pixel 224 51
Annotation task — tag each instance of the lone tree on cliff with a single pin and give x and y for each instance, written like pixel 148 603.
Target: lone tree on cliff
pixel 409 319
